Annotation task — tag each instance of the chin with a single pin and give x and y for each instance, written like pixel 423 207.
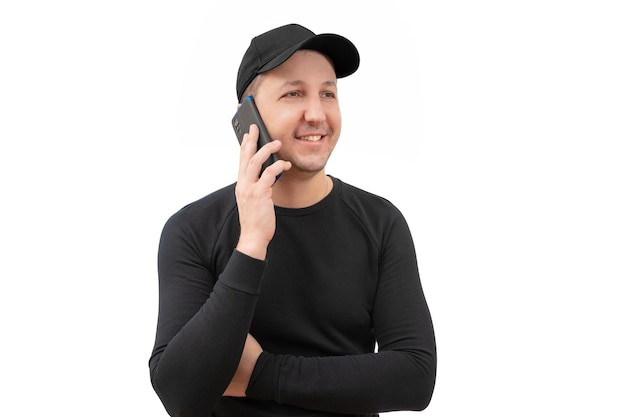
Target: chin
pixel 309 166
pixel 306 169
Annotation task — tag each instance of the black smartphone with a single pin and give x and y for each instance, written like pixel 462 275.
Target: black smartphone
pixel 246 115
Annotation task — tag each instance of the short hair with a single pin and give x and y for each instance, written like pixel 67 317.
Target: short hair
pixel 253 87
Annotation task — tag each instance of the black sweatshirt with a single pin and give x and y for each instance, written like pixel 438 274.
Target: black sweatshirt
pixel 340 277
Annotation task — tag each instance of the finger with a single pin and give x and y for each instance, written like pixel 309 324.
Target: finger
pixel 253 167
pixel 272 172
pixel 248 148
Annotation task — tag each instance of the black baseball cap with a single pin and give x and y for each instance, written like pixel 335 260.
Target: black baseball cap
pixel 274 47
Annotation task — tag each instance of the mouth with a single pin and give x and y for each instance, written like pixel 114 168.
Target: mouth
pixel 310 138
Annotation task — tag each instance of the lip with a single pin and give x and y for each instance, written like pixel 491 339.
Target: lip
pixel 311 137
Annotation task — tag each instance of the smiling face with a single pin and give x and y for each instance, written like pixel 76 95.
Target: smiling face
pixel 298 103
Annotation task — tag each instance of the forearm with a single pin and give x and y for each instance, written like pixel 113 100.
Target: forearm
pixel 193 370
pixel 367 383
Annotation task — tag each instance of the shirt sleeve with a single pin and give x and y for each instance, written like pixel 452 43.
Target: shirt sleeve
pixel 202 325
pixel 400 376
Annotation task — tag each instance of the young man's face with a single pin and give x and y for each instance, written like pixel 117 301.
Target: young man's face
pixel 298 103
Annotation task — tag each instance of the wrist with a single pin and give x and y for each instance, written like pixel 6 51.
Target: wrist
pixel 253 248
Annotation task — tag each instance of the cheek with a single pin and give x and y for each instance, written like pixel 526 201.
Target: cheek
pixel 334 120
pixel 281 125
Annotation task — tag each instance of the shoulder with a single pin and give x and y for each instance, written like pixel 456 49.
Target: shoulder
pixel 376 214
pixel 365 203
pixel 212 208
pixel 382 220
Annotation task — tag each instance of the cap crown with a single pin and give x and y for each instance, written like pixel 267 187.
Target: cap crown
pixel 272 48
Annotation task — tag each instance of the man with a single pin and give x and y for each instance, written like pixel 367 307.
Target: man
pixel 274 293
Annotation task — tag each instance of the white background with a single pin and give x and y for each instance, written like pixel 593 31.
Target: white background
pixel 497 127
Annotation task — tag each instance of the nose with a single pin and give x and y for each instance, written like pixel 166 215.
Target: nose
pixel 314 111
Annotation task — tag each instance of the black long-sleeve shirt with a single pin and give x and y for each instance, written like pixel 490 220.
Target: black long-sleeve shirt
pixel 339 277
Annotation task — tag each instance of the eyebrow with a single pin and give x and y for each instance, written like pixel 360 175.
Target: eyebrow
pixel 297 83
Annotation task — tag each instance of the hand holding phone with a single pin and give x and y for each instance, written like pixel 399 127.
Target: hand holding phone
pixel 257 217
pixel 246 115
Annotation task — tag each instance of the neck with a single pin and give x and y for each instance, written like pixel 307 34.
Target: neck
pixel 299 191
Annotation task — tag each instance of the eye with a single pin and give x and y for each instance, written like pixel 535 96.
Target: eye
pixel 294 93
pixel 328 94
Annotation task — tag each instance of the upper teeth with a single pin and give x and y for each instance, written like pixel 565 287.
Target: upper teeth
pixel 311 138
